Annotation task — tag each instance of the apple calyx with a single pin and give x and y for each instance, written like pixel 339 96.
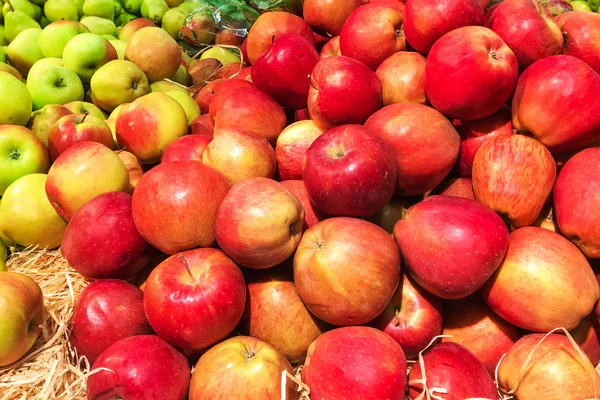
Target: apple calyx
pixel 14 154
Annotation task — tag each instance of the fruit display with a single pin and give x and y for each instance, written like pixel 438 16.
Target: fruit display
pixel 299 200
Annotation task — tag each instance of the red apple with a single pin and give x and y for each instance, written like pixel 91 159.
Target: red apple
pixel 450 371
pixel 458 187
pixel 195 298
pixel 343 91
pixel 346 270
pixel 205 95
pixel 587 336
pixel 75 128
pixel 175 205
pixel 228 71
pixel 557 102
pixel 470 73
pixel 514 175
pixel 291 147
pixel 451 245
pixel 331 48
pixel 133 26
pixel 43 120
pixel 581 31
pixel 202 125
pixel 221 91
pixel 134 168
pixel 328 17
pixel 542 263
pixel 412 318
pixel 374 365
pixel 409 128
pixel 139 367
pixel 427 21
pixel 155 52
pixel 312 215
pixel 349 171
pixel 229 37
pixel 472 324
pixel 190 147
pixel 372 33
pixel 106 312
pixel 244 74
pixel 283 71
pixel 402 78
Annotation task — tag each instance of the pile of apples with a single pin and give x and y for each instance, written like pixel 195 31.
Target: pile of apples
pixel 375 185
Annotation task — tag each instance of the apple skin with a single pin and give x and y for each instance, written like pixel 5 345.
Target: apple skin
pixel 514 176
pixel 140 367
pixel 155 52
pixel 328 17
pixel 427 21
pixel 205 95
pixel 203 283
pixel 82 107
pixel 475 133
pixel 327 252
pixel 43 120
pixel 17 109
pixel 458 82
pixel 402 78
pixel 118 82
pixel 587 337
pixel 101 240
pixel 76 128
pixel 388 216
pixel 51 83
pixel 202 125
pixel 282 71
pixel 134 168
pixel 582 36
pixel 472 324
pixel 106 311
pixel 271 26
pixel 241 368
pixel 56 35
pixel 343 91
pixel 408 128
pixel 576 196
pixel 84 171
pixel 189 147
pixel 273 210
pixel 133 26
pixel 349 171
pixel 544 103
pixel 374 365
pixel 86 53
pixel 291 147
pixel 458 187
pixel 437 233
pixel 22 308
pixel 541 261
pixel 222 90
pixel 331 48
pixel 175 205
pixel 312 215
pixel 527 28
pixel 451 367
pixel 372 33
pixel 412 318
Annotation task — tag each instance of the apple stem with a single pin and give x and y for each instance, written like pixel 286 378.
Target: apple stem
pixel 10 5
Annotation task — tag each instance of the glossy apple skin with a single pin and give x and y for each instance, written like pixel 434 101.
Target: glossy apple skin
pixel 205 95
pixel 343 91
pixel 427 21
pixel 189 147
pixel 202 125
pixel 133 26
pixel 576 196
pixel 282 71
pixel 475 133
pixel 75 128
pixel 327 252
pixel 470 73
pixel 241 368
pixel 372 33
pixel 312 215
pixel 195 298
pixel 402 78
pixel 582 36
pixel 138 368
pixel 134 168
pixel 259 205
pixel 555 370
pixel 101 240
pixel 374 365
pixel 527 28
pixel 408 129
pixel 436 235
pixel 270 27
pixel 451 367
pixel 514 175
pixel 587 336
pixel 458 187
pixel 328 17
pixel 546 103
pixel 291 147
pixel 223 90
pixel 349 171
pixel 412 318
pixel 331 48
pixel 541 261
pixel 107 311
pixel 175 205
pixel 43 120
pixel 472 324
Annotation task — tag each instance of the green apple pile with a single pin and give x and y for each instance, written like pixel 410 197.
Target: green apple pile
pixel 585 5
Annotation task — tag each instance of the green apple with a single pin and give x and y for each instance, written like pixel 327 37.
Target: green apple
pixel 115 113
pixel 53 84
pixel 22 310
pixel 25 50
pixel 16 108
pixel 109 37
pixel 181 76
pixel 38 2
pixel 44 21
pixel 55 36
pixel 580 6
pixel 79 6
pixel 3 41
pixel 27 216
pixel 132 6
pixel 16 22
pixel 99 26
pixel 82 107
pixel 189 105
pixel 173 20
pixel 33 10
pixel 190 5
pixel 117 7
pixel 118 82
pixel 2 55
pixel 124 18
pixel 166 86
pixel 120 47
pixel 43 120
pixel 99 8
pixel 3 256
pixel 154 10
pixel 87 52
pixel 56 10
pixel 11 70
pixel 225 56
pixel 594 5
